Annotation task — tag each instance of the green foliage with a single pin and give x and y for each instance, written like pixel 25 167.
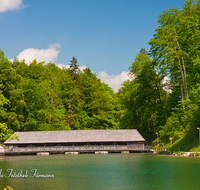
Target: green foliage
pixel 189 142
pixel 174 53
pixel 1 55
pixel 177 124
pixel 163 152
pixel 12 92
pixel 42 96
pixel 143 98
pixel 6 133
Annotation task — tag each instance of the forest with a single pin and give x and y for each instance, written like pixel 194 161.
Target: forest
pixel 42 96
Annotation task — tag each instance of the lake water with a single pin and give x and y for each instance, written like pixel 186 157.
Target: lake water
pixel 91 171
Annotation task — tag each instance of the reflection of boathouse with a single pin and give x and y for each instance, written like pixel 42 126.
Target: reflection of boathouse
pixel 77 141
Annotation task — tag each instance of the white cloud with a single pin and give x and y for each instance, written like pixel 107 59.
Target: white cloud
pixel 166 84
pixel 114 81
pixel 46 55
pixel 82 67
pixel 40 55
pixel 7 5
pixel 61 65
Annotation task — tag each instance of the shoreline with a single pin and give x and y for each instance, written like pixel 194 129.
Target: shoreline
pixel 181 153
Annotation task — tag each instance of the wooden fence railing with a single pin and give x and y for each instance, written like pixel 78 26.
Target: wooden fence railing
pixel 34 149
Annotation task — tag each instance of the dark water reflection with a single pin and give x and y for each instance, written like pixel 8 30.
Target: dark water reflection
pixel 112 171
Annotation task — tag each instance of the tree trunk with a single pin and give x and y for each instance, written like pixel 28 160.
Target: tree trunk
pixel 183 75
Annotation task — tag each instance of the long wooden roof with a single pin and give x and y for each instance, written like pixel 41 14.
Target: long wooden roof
pixel 72 136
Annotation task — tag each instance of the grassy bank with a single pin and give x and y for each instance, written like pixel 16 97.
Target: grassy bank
pixel 189 142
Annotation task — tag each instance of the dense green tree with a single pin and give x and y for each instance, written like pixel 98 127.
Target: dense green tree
pixel 175 51
pixel 52 112
pixel 167 48
pixel 96 106
pixel 144 98
pixel 11 89
pixel 74 68
pixel 3 127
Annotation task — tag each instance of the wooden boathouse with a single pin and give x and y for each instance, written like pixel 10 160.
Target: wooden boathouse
pixel 76 141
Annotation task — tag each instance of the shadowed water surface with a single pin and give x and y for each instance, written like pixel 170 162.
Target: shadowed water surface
pixel 111 171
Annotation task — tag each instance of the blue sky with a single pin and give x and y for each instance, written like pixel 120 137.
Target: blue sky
pixel 104 35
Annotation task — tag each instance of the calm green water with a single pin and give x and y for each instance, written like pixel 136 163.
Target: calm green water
pixel 111 171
